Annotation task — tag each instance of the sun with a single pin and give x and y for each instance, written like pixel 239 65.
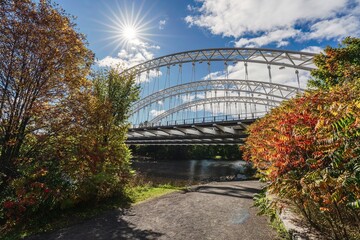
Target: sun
pixel 127 26
pixel 129 33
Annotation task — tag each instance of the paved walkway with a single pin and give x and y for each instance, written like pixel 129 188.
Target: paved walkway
pixel 211 211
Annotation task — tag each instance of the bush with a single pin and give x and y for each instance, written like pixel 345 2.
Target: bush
pixel 309 150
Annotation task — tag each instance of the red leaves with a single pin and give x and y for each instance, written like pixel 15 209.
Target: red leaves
pixel 8 204
pixel 26 200
pixel 283 138
pixel 307 148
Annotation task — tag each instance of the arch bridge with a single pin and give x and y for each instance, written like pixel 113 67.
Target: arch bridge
pixel 210 96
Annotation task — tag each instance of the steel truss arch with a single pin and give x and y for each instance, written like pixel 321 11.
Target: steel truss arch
pixel 284 58
pixel 228 99
pixel 268 89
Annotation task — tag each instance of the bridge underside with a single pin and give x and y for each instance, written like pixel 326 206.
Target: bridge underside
pixel 209 133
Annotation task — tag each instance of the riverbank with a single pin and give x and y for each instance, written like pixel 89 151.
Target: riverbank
pixel 144 186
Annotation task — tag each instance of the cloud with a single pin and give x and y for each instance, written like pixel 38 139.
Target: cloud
pixel 138 52
pixel 312 49
pixel 187 98
pixel 259 72
pixel 155 113
pixel 109 61
pixel 276 36
pixel 276 21
pixel 335 28
pixel 162 24
pixel 191 8
pixel 214 75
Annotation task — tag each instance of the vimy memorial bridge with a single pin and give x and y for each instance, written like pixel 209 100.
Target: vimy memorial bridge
pixel 210 96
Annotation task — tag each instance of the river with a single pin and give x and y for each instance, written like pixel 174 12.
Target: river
pixel 191 171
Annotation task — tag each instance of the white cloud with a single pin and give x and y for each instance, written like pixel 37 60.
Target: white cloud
pixel 187 98
pixel 276 36
pixel 336 28
pixel 259 72
pixel 138 52
pixel 213 75
pixel 109 61
pixel 162 24
pixel 155 113
pixel 191 8
pixel 277 21
pixel 312 49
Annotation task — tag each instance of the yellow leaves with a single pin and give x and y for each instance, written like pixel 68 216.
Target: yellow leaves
pixel 40 173
pixel 335 108
pixel 324 209
pixel 320 124
pixel 357 103
pixel 284 138
pixel 11 142
pixel 319 107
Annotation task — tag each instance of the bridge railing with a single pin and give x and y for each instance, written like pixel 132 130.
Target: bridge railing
pixel 220 118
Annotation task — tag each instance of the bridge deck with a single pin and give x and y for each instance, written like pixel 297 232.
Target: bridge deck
pixel 206 133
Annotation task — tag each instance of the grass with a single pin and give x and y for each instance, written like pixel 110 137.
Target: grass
pixel 63 218
pixel 142 193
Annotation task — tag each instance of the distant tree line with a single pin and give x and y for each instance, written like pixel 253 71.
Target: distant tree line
pixel 187 152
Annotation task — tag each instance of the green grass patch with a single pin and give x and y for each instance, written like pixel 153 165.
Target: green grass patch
pixel 141 193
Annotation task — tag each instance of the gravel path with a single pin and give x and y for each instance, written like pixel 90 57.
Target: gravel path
pixel 211 211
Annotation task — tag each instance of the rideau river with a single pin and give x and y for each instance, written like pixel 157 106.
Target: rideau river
pixel 188 170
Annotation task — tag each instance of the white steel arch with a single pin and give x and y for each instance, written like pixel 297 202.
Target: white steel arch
pixel 266 89
pixel 243 99
pixel 283 58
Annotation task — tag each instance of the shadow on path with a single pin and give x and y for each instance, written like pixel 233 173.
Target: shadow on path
pixel 110 226
pixel 221 210
pixel 236 191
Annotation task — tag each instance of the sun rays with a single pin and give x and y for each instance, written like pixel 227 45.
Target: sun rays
pixel 127 26
pixel 129 33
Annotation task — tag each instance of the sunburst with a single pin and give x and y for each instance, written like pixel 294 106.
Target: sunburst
pixel 129 33
pixel 126 27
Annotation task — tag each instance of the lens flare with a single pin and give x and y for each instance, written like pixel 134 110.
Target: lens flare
pixel 129 33
pixel 126 26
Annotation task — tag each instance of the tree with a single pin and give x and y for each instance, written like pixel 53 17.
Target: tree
pixel 43 64
pixel 99 133
pixel 337 65
pixel 61 132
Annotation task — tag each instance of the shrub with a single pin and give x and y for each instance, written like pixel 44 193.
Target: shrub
pixel 309 149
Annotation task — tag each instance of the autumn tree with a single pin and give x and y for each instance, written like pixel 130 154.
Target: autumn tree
pixel 337 65
pixel 103 165
pixel 43 64
pixel 62 130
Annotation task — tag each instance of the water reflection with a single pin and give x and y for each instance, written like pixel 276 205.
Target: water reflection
pixel 189 170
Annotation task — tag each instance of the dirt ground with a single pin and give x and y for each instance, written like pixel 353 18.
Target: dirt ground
pixel 220 210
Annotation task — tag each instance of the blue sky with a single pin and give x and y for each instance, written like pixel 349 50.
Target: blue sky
pixel 129 32
pixel 195 24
